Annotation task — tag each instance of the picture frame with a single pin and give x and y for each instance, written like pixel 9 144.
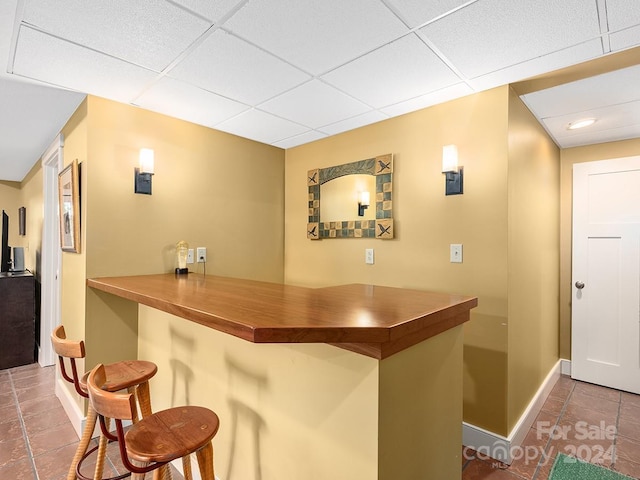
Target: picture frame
pixel 69 204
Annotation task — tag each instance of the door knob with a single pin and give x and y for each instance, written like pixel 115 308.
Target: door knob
pixel 579 285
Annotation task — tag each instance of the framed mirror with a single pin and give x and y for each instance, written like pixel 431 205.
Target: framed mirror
pixel 351 191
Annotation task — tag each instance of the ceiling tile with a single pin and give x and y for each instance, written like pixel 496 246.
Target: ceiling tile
pixel 546 63
pixel 190 103
pixel 490 35
pixel 54 61
pixel 612 88
pixel 231 67
pixel 401 70
pixel 321 103
pixel 213 11
pixel 306 137
pixel 424 101
pixel 608 118
pixel 27 132
pixel 614 135
pixel 150 34
pixel 354 122
pixel 623 39
pixel 418 12
pixel 261 126
pixel 622 14
pixel 317 35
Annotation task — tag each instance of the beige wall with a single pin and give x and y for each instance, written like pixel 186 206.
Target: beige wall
pixel 570 156
pixel 210 189
pixel 533 255
pixel 426 222
pixel 506 157
pixel 31 197
pixel 353 418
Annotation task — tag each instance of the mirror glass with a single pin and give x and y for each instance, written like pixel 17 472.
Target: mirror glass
pixel 340 198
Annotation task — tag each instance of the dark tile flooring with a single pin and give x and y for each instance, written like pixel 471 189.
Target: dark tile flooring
pixel 594 423
pixel 37 441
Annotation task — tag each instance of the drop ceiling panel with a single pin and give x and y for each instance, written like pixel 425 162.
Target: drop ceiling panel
pixel 213 11
pixel 608 119
pixel 418 12
pixel 27 132
pixel 61 63
pixel 306 137
pixel 553 61
pixel 150 34
pixel 625 38
pixel 190 103
pixel 228 66
pixel 490 35
pixel 354 122
pixel 317 35
pixel 424 101
pixel 401 70
pixel 611 88
pixel 323 105
pixel 261 126
pixel 622 14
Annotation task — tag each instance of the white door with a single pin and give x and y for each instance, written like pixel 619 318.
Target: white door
pixel 605 322
pixel 50 255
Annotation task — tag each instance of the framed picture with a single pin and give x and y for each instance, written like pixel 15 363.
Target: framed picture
pixel 69 201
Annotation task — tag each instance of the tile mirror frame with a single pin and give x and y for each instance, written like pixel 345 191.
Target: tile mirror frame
pixel 382 227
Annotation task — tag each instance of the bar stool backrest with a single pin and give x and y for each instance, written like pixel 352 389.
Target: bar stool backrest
pixel 70 349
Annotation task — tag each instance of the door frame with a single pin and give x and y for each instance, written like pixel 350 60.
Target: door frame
pixel 52 162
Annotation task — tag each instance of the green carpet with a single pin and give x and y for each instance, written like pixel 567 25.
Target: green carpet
pixel 569 468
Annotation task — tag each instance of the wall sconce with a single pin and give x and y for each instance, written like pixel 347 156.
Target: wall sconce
pixel 363 203
pixel 453 173
pixel 144 173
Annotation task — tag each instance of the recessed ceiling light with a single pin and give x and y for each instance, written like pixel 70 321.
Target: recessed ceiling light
pixel 581 123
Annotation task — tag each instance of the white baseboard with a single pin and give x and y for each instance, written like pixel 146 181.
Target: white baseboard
pixel 71 408
pixel 503 448
pixel 565 367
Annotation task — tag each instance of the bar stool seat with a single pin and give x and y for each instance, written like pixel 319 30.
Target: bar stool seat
pixel 131 375
pixel 159 438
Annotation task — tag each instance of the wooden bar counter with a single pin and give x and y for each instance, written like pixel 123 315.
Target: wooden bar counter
pixel 385 405
pixel 372 320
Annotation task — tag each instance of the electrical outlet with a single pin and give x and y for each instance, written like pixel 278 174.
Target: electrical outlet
pixel 190 256
pixel 368 256
pixel 201 253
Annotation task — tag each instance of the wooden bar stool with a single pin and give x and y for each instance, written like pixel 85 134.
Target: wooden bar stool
pixel 130 375
pixel 156 440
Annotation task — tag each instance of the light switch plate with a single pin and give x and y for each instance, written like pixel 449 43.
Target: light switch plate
pixel 456 253
pixel 190 256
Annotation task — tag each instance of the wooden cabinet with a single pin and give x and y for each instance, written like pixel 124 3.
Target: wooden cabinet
pixel 17 319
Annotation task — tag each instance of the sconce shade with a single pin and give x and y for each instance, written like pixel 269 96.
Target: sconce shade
pixel 454 178
pixel 363 203
pixel 449 158
pixel 146 160
pixel 144 173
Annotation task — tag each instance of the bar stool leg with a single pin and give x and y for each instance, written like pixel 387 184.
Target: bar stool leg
pixel 186 467
pixel 205 462
pixel 102 453
pixel 144 399
pixel 84 441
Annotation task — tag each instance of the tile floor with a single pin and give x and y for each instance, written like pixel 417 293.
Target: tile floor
pixel 594 423
pixel 37 441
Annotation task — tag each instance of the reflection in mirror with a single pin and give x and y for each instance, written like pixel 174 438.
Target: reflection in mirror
pixel 340 197
pixel 334 194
